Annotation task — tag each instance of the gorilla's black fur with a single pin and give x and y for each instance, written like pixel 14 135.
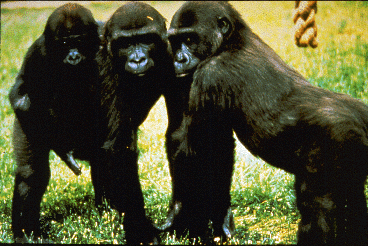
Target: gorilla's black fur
pixel 55 99
pixel 134 63
pixel 237 82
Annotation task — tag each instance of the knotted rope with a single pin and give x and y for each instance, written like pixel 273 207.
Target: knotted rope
pixel 305 25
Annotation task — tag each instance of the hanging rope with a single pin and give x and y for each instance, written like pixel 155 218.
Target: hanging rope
pixel 305 25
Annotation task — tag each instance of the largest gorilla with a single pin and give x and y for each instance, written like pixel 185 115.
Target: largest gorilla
pixel 239 83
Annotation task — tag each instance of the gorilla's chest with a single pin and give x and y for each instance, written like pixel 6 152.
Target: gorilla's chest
pixel 71 120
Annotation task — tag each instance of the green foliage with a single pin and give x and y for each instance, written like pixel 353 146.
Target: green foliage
pixel 263 199
pixel 350 65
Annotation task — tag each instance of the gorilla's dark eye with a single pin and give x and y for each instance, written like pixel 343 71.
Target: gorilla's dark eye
pixel 73 40
pixel 189 41
pixel 121 43
pixel 126 45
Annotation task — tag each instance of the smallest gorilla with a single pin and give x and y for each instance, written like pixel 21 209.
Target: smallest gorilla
pixel 55 105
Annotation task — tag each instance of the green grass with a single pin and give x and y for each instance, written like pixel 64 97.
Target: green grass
pixel 263 199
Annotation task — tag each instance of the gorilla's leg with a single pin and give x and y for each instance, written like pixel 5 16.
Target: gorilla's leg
pixel 201 174
pixel 31 180
pixel 125 190
pixel 333 209
pixel 222 217
pixel 100 180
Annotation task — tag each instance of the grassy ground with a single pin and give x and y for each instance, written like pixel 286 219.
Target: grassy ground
pixel 263 199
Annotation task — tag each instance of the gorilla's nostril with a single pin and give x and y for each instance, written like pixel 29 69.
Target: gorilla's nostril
pixel 180 57
pixel 186 58
pixel 139 60
pixel 75 56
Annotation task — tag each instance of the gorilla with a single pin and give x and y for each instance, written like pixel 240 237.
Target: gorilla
pixel 238 83
pixel 54 100
pixel 135 62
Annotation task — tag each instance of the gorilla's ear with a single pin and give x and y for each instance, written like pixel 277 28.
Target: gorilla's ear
pixel 225 26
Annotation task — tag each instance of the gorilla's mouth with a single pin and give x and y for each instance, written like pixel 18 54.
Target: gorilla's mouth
pixel 181 75
pixel 73 62
pixel 140 73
